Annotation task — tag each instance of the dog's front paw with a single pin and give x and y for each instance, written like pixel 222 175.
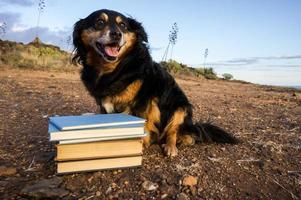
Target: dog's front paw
pixel 146 141
pixel 170 150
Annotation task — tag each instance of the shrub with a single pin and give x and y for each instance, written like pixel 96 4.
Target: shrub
pixel 30 56
pixel 173 66
pixel 227 76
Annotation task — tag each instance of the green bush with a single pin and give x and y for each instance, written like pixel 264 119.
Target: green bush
pixel 179 68
pixel 227 76
pixel 34 56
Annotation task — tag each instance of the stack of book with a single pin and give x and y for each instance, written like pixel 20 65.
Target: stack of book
pixel 95 142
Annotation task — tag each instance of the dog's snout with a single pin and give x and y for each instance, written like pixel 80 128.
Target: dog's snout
pixel 116 35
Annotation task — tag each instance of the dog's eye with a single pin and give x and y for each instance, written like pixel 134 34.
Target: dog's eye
pixel 123 25
pixel 100 22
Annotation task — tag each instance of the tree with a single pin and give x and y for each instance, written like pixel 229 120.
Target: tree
pixel 173 36
pixel 227 76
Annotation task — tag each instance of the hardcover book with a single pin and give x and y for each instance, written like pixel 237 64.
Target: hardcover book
pixel 104 149
pixel 98 164
pixel 102 133
pixel 64 123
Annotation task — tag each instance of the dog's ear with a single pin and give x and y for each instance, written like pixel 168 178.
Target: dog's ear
pixel 138 29
pixel 78 27
pixel 77 41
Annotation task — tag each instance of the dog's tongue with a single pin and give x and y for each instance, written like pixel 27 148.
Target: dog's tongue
pixel 111 50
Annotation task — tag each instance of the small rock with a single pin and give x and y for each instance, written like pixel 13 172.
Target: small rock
pixel 149 186
pixel 98 193
pixel 45 189
pixel 3 183
pixel 190 181
pixel 90 179
pixel 182 196
pixel 298 95
pixel 193 191
pixel 109 190
pixel 163 196
pixel 7 171
pixel 113 185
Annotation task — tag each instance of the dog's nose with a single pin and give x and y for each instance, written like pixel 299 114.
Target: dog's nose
pixel 115 35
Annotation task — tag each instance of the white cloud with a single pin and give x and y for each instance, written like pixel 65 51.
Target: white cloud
pixel 18 28
pixel 17 2
pixel 21 33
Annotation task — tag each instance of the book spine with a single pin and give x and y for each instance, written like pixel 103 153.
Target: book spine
pixel 104 149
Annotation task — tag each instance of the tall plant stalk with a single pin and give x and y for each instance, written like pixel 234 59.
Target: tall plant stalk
pixel 41 7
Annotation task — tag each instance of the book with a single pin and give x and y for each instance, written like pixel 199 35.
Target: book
pixel 104 149
pixel 120 137
pixel 105 133
pixel 64 123
pixel 98 164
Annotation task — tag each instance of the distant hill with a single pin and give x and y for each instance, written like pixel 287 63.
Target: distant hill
pixel 180 69
pixel 34 55
pixel 38 55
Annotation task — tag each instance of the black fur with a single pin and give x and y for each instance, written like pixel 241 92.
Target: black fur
pixel 157 82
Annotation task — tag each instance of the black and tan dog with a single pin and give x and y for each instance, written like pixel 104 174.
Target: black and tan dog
pixel 119 72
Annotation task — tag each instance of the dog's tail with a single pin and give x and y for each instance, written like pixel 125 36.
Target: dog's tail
pixel 207 132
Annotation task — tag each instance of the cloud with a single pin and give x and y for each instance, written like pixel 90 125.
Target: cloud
pixel 9 18
pixel 242 61
pixel 45 34
pixel 20 33
pixel 279 57
pixel 254 60
pixel 17 2
pixel 285 66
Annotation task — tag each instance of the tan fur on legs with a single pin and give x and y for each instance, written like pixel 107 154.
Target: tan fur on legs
pixel 186 140
pixel 171 131
pixel 152 116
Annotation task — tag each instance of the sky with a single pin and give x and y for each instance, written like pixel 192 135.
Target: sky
pixel 254 40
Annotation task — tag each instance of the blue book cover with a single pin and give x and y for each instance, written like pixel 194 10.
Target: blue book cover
pixel 64 123
pixel 102 133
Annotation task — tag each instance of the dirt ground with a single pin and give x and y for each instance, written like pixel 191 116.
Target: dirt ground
pixel 265 165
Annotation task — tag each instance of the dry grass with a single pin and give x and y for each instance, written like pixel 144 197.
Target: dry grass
pixel 34 56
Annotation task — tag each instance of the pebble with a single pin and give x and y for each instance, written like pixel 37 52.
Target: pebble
pixel 7 171
pixel 45 189
pixel 190 181
pixel 98 193
pixel 149 186
pixel 182 196
pixel 109 190
pixel 193 191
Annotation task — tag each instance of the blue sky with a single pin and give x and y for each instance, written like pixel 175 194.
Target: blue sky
pixel 256 41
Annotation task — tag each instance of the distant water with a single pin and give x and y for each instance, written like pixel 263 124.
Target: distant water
pixel 266 74
pixel 294 86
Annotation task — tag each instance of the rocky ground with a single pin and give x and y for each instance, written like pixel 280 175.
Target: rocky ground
pixel 265 165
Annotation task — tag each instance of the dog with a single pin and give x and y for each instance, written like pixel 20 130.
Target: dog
pixel 118 71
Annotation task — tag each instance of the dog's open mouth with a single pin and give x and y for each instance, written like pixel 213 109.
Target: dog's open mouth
pixel 108 51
